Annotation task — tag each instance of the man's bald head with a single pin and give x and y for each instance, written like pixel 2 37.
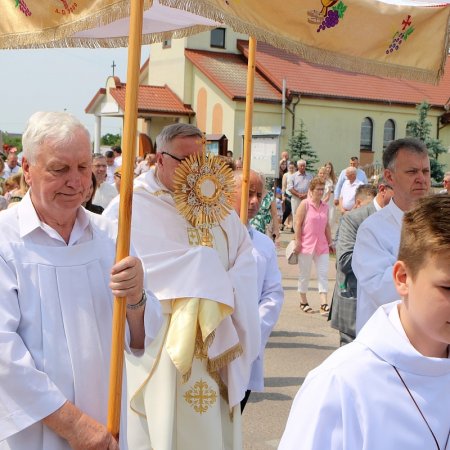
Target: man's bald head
pixel 255 195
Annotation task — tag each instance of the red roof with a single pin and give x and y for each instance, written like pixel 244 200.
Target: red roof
pixel 100 93
pixel 153 99
pixel 314 80
pixel 229 72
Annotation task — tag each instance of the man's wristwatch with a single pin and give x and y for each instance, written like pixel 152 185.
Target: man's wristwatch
pixel 140 303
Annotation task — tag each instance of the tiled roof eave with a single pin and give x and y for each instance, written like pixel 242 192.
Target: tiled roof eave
pixel 166 111
pixel 240 98
pixel 362 99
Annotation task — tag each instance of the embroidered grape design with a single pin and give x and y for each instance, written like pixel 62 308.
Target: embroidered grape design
pixel 23 7
pixel 330 21
pixel 333 16
pixel 395 44
pixel 401 36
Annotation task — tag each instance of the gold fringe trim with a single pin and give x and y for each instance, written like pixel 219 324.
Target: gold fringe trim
pixel 45 37
pixel 217 363
pixel 186 376
pixel 214 365
pixel 200 351
pixel 61 36
pixel 223 389
pixel 312 54
pixel 94 43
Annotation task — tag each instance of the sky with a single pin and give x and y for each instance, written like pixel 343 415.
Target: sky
pixel 57 80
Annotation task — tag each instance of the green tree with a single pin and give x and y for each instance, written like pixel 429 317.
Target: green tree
pixel 13 141
pixel 110 139
pixel 300 148
pixel 421 129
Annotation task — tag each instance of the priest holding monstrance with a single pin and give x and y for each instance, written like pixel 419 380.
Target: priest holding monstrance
pixel 57 281
pixel 186 388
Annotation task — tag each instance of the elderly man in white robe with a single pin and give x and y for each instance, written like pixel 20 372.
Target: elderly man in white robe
pixel 58 278
pixel 187 387
pixel 389 389
pixel 270 290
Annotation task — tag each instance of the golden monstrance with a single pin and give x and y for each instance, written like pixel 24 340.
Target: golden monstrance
pixel 203 191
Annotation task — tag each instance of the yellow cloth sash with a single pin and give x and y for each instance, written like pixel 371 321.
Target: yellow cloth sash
pixel 190 316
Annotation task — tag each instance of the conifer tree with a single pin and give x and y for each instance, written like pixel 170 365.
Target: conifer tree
pixel 421 129
pixel 300 148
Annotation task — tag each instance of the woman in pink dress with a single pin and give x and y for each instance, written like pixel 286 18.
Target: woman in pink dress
pixel 313 243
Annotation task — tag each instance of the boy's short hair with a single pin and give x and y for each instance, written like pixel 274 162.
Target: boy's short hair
pixel 425 231
pixel 365 190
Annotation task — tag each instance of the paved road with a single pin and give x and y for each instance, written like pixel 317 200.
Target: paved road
pixel 299 342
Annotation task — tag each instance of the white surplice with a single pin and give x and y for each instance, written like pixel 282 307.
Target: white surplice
pixel 271 298
pixel 178 267
pixel 374 256
pixel 104 193
pixel 355 400
pixel 55 323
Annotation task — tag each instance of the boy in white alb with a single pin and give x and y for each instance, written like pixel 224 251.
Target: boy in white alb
pixel 389 389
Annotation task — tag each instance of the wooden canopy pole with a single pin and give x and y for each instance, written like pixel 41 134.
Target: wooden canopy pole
pixel 248 129
pixel 126 191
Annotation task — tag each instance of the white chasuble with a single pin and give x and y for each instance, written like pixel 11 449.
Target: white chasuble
pixel 170 413
pixel 55 339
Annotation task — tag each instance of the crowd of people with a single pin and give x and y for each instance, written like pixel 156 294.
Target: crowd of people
pixel 199 316
pixel 105 184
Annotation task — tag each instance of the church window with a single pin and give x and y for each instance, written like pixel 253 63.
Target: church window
pixel 218 38
pixel 389 132
pixel 366 134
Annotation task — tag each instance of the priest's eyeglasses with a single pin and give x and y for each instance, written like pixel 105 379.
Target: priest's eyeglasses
pixel 173 156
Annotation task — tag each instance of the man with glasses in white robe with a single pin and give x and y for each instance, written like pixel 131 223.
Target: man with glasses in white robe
pixel 186 388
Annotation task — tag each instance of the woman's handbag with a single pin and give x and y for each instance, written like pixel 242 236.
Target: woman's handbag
pixel 291 256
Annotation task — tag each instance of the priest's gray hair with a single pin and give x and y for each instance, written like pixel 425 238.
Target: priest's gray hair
pixel 170 132
pixel 59 128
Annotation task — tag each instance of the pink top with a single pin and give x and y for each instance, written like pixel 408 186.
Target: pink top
pixel 313 239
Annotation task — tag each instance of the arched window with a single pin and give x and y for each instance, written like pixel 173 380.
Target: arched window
pixel 389 132
pixel 217 119
pixel 366 134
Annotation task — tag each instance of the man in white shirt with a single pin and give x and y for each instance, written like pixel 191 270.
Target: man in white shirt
pixel 211 290
pixel 111 166
pixel 348 191
pixel 407 169
pixel 360 175
pixel 270 290
pixel 105 192
pixel 298 185
pixel 11 165
pixel 117 150
pixel 390 388
pixel 58 278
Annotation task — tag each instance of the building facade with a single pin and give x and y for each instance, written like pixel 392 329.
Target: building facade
pixel 202 80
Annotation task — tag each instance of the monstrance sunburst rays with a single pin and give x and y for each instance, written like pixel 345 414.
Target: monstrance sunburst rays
pixel 203 191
